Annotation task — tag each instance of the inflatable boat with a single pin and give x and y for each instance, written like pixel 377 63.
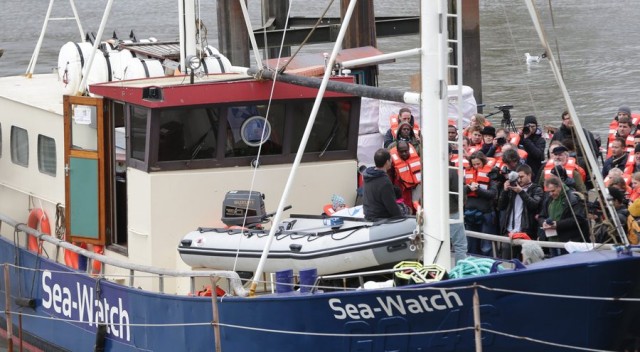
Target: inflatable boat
pixel 331 245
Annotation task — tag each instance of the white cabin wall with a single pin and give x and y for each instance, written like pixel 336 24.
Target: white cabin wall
pixel 199 204
pixel 18 183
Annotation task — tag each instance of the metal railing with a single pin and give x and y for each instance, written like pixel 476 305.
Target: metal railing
pixel 232 277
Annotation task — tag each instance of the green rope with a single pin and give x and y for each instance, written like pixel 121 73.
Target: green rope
pixel 472 266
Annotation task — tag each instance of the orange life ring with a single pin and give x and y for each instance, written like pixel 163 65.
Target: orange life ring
pixel 96 266
pixel 37 216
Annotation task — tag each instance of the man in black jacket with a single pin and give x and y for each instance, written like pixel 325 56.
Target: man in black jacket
pixel 567 132
pixel 563 214
pixel 379 200
pixel 532 142
pixel 519 202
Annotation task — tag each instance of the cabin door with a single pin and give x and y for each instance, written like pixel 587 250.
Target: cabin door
pixel 86 167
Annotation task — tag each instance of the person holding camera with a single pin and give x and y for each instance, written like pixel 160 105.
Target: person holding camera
pixel 532 142
pixel 563 215
pixel 519 204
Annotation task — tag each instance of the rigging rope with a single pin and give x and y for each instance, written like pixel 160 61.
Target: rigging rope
pixel 553 23
pixel 304 42
pixel 262 135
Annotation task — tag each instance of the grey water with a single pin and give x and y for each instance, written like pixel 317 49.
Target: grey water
pixel 595 41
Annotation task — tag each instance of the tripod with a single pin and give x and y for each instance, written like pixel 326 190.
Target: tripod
pixel 506 123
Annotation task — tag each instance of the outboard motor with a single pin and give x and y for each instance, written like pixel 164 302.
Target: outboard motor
pixel 238 204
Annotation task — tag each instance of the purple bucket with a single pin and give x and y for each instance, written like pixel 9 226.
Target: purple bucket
pixel 307 279
pixel 284 281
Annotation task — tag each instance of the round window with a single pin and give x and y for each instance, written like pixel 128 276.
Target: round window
pixel 252 128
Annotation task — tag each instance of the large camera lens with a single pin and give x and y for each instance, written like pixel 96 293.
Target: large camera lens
pixel 526 130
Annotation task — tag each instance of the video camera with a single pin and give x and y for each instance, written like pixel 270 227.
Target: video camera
pixel 504 107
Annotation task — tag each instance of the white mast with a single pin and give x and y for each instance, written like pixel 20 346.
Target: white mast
pixel 433 114
pixel 187 25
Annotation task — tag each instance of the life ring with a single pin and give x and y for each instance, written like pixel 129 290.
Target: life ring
pixel 96 266
pixel 37 216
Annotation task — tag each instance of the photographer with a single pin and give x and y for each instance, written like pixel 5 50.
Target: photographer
pixel 519 203
pixel 532 142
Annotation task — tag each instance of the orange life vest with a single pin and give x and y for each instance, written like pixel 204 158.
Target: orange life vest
pixel 408 171
pixel 480 176
pixel 394 123
pixel 514 138
pixel 569 167
pixel 465 163
pixel 630 143
pixel 635 194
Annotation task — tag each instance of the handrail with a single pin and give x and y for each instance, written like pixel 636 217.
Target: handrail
pixel 234 279
pixel 544 244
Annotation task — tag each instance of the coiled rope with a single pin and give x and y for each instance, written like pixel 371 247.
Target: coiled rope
pixel 472 266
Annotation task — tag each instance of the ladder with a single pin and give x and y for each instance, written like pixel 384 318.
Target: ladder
pixel 454 21
pixel 36 51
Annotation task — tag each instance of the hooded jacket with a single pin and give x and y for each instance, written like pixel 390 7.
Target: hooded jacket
pixel 379 200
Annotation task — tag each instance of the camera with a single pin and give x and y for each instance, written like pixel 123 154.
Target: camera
pixel 526 130
pixel 504 107
pixel 513 178
pixel 501 141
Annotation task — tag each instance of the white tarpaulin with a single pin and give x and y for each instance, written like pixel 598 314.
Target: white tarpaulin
pixel 374 117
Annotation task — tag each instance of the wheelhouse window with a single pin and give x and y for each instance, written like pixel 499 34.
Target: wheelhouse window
pixel 188 134
pixel 248 127
pixel 19 146
pixel 46 155
pixel 330 130
pixel 226 135
pixel 138 133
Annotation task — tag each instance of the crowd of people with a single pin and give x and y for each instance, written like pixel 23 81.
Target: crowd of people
pixel 514 185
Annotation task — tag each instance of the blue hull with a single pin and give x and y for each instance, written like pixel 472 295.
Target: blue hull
pixel 341 321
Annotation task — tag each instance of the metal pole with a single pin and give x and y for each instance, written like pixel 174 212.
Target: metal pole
pixel 216 315
pixel 476 319
pixel 7 303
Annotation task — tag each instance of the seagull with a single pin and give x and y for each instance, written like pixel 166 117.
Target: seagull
pixel 531 59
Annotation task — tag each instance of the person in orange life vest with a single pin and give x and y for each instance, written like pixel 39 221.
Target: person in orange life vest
pixel 480 194
pixel 565 168
pixel 452 136
pixel 406 171
pixel 623 112
pixel 337 204
pixel 532 142
pixel 378 199
pixel 475 137
pixel 615 176
pixel 404 115
pixel 635 187
pixel 625 128
pixel 405 133
pixel 488 135
pixel 452 133
pixel 619 158
pixel 477 120
pixel 457 155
